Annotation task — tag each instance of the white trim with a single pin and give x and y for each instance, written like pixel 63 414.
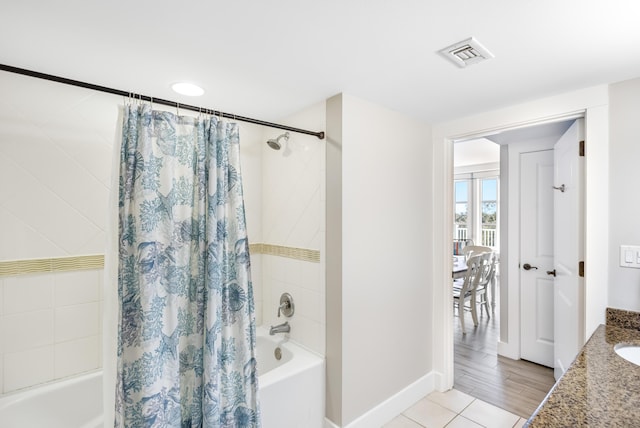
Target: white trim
pixel 392 406
pixel 561 107
pixel 329 424
pixel 471 203
pixel 481 168
pixel 442 191
pixel 596 217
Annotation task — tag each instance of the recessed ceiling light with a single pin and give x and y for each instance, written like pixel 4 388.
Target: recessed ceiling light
pixel 189 89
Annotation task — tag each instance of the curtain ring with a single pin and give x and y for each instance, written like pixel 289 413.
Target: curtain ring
pixel 177 109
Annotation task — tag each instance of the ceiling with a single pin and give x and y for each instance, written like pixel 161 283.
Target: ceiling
pixel 479 151
pixel 268 59
pixel 549 131
pixel 486 150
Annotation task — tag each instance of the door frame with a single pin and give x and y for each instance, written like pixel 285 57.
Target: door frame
pixel 592 103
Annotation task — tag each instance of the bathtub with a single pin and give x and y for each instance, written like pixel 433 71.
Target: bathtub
pixel 291 393
pixel 292 388
pixel 70 403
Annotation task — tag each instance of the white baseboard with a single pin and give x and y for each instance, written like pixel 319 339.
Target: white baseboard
pixel 439 382
pixel 329 424
pixel 392 406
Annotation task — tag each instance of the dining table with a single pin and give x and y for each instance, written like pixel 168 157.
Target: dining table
pixel 459 267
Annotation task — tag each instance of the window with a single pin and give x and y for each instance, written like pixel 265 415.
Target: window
pixel 489 211
pixel 461 210
pixel 476 208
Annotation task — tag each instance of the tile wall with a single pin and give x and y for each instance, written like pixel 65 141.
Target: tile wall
pixel 50 327
pixel 301 279
pixel 55 164
pixel 293 200
pixel 56 145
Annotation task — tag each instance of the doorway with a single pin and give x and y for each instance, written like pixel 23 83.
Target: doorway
pixel 529 236
pixel 592 103
pixel 527 152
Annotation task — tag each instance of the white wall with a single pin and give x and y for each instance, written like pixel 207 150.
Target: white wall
pixel 624 203
pixel 384 292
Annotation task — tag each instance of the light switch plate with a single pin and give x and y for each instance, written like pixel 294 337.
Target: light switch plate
pixel 630 256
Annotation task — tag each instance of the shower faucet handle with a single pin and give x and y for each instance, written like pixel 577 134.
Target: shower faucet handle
pixel 283 306
pixel 286 305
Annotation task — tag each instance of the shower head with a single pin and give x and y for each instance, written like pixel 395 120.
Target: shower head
pixel 275 143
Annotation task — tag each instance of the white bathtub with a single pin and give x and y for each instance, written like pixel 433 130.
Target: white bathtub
pixel 71 403
pixel 292 389
pixel 291 393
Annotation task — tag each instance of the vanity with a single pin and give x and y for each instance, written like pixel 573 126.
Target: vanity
pixel 600 388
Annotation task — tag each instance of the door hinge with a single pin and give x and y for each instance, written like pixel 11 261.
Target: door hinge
pixel 581 151
pixel 581 269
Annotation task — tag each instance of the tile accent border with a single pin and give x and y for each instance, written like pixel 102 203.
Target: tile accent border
pixel 302 254
pixel 63 264
pixel 58 264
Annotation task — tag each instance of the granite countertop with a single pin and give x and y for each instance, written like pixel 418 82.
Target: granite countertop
pixel 600 389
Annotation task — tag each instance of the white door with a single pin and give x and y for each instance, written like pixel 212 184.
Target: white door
pixel 568 248
pixel 536 257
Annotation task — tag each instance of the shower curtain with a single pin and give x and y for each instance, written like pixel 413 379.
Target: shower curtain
pixel 186 324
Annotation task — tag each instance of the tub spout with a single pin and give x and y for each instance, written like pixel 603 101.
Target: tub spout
pixel 280 328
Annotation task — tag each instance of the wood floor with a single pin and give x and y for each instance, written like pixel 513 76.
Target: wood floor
pixel 517 386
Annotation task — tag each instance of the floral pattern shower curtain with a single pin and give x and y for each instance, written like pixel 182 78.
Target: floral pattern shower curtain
pixel 186 312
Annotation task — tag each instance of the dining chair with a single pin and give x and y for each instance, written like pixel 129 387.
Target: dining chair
pixel 485 278
pixel 470 250
pixel 473 288
pixel 464 289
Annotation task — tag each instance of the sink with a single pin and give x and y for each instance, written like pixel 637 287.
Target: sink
pixel 629 352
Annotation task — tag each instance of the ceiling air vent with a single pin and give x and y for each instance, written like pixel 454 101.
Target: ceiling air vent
pixel 466 52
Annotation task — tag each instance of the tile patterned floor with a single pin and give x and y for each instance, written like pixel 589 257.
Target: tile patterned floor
pixel 454 409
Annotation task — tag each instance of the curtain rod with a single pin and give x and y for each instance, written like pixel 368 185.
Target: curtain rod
pixel 80 84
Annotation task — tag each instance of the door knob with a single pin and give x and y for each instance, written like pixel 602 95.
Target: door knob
pixel 551 272
pixel 527 266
